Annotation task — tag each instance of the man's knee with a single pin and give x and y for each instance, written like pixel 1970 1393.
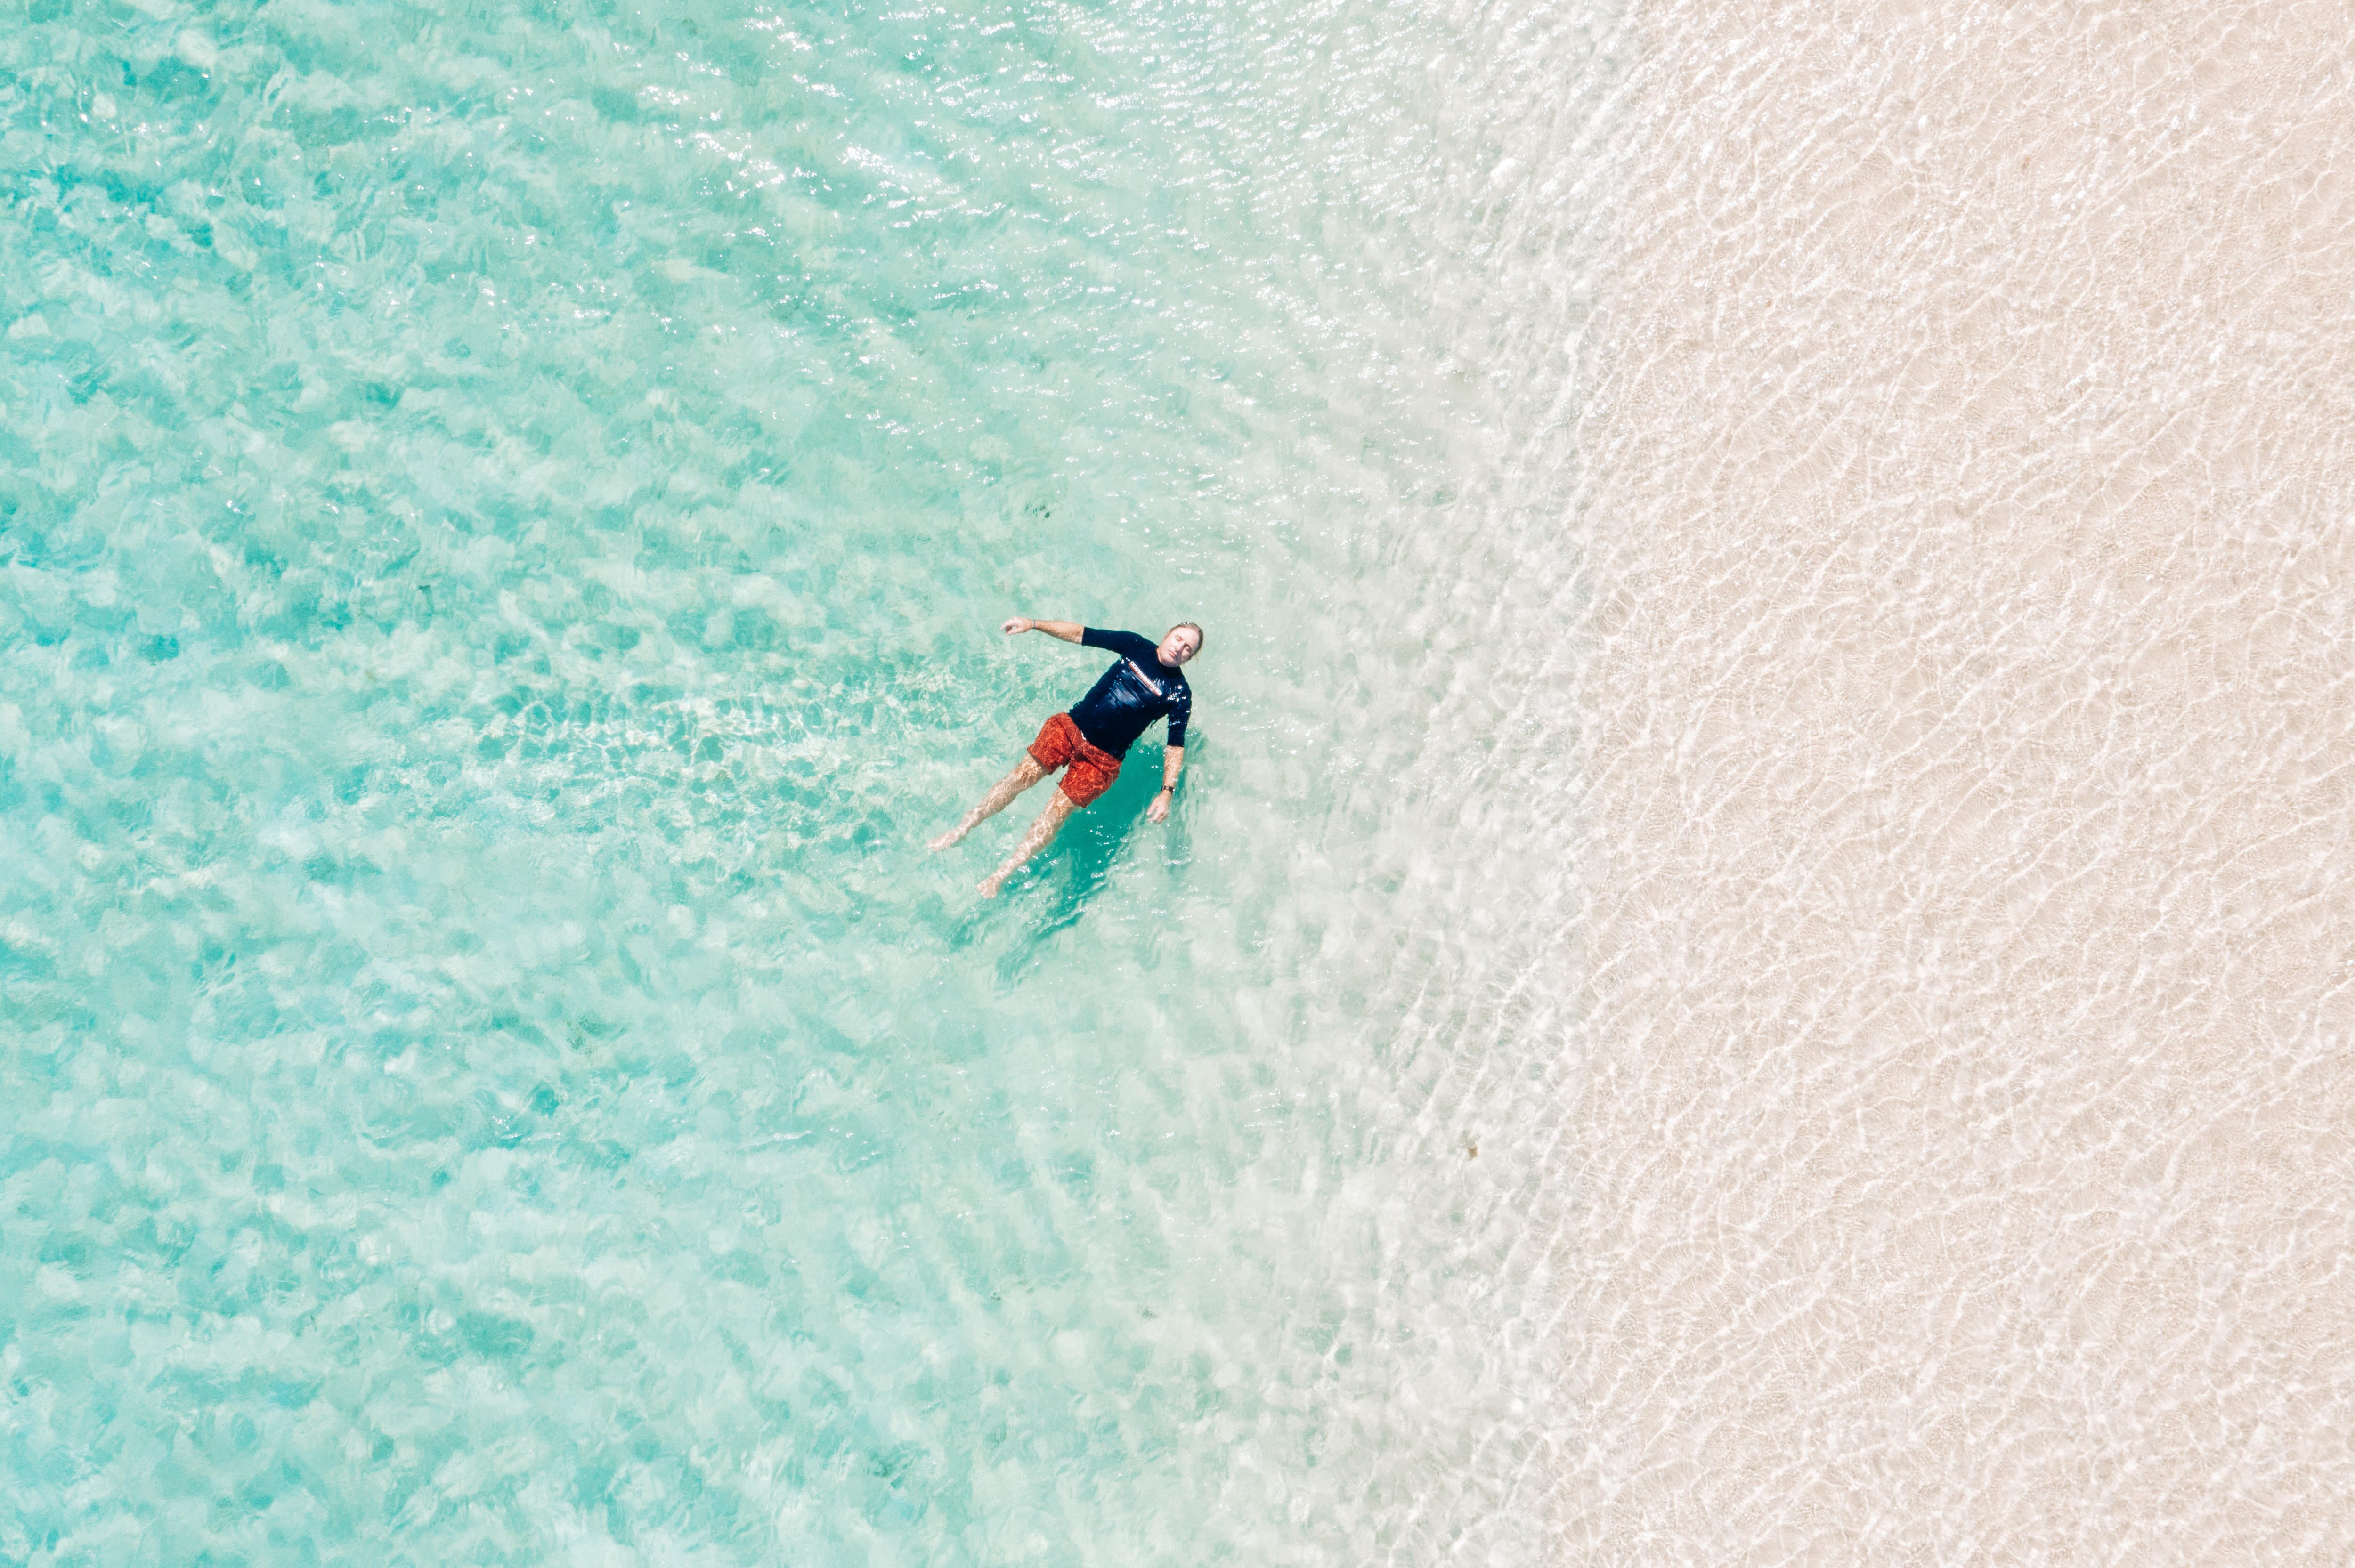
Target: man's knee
pixel 1028 770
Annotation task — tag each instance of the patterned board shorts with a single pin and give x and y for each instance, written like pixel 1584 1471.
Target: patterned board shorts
pixel 1093 769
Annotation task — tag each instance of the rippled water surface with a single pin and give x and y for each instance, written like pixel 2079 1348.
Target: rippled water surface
pixel 502 514
pixel 1962 1170
pixel 1751 966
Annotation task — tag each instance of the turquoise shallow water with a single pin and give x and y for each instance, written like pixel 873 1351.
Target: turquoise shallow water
pixel 504 517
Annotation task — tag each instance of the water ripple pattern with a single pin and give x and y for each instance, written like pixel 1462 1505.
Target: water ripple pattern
pixel 1963 1173
pixel 502 514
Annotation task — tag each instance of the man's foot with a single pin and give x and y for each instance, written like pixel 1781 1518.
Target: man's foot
pixel 946 838
pixel 990 884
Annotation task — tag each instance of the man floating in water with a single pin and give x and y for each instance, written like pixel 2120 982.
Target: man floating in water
pixel 1145 683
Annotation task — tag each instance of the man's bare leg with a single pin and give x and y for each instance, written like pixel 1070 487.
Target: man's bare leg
pixel 1050 822
pixel 1026 773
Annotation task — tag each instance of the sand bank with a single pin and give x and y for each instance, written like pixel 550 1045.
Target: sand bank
pixel 1967 1163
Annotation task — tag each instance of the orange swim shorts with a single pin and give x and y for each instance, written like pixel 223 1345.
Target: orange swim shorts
pixel 1093 769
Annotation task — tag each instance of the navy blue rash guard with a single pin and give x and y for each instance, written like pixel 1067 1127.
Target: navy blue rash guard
pixel 1137 689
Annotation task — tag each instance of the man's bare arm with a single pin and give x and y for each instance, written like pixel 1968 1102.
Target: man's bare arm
pixel 1173 763
pixel 1069 631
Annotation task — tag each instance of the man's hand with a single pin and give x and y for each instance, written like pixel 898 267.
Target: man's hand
pixel 1017 626
pixel 1159 811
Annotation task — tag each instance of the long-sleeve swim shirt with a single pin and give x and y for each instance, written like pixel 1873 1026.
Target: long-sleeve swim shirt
pixel 1137 689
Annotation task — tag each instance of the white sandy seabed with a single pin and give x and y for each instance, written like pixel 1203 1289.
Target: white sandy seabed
pixel 1961 1165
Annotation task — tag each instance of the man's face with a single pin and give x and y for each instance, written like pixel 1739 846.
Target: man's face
pixel 1182 644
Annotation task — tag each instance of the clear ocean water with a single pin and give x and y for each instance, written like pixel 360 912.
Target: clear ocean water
pixel 503 513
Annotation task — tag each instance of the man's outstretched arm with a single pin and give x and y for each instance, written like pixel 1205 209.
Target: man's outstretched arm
pixel 1069 631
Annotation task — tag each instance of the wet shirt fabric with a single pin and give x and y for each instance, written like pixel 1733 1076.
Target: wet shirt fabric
pixel 1137 689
